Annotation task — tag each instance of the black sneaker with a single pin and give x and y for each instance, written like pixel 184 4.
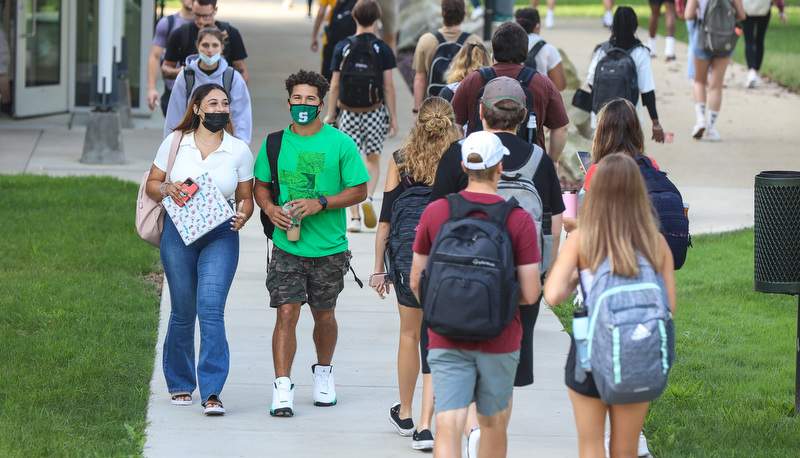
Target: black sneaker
pixel 406 426
pixel 422 440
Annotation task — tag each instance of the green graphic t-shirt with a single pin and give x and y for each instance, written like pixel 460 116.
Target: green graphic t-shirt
pixel 323 164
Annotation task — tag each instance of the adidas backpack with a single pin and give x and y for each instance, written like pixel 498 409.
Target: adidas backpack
pixel 668 203
pixel 406 211
pixel 631 338
pixel 441 61
pixel 361 77
pixel 342 23
pixel 530 61
pixel 615 76
pixel 717 32
pixel 469 288
pixel 518 183
pixel 527 130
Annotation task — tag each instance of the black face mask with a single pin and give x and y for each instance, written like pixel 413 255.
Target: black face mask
pixel 215 122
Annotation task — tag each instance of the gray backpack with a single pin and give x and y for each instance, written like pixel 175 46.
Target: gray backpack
pixel 717 32
pixel 631 339
pixel 518 183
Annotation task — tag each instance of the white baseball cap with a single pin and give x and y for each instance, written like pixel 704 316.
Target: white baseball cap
pixel 485 144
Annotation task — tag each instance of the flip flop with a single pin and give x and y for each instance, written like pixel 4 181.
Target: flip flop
pixel 214 408
pixel 178 399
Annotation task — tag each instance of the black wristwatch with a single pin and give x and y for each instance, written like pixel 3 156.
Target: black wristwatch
pixel 323 201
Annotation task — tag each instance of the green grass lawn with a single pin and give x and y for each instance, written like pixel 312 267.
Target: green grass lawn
pixel 731 391
pixel 78 321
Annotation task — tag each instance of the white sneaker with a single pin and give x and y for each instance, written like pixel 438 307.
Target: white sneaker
pixel 282 398
pixel 287 4
pixel 752 79
pixel 608 19
pixel 369 213
pixel 698 129
pixel 712 135
pixel 643 450
pixel 324 389
pixel 549 21
pixel 472 443
pixel 355 225
pixel 476 13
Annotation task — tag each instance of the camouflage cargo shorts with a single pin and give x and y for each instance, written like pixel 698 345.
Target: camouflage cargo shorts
pixel 316 281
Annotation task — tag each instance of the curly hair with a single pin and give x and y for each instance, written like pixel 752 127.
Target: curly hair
pixel 309 78
pixel 428 140
pixel 471 57
pixel 453 12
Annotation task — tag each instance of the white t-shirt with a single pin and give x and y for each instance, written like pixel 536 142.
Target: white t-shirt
pixel 640 56
pixel 227 166
pixel 547 58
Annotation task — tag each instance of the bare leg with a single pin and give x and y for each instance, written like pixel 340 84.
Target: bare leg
pixel 626 423
pixel 700 79
pixel 448 433
pixel 590 418
pixel 373 163
pixel 494 442
pixel 652 24
pixel 408 357
pixel 427 403
pixel 669 18
pixel 718 67
pixel 326 332
pixel 284 339
pixel 608 5
pixel 472 419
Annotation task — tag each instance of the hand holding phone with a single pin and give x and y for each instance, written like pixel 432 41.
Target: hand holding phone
pixel 585 159
pixel 189 188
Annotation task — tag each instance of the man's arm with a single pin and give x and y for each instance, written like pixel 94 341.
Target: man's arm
pixel 418 263
pixel 152 75
pixel 323 10
pixel 168 70
pixel 346 198
pixel 420 89
pixel 239 66
pixel 263 196
pixel 389 99
pixel 530 284
pixel 333 98
pixel 558 138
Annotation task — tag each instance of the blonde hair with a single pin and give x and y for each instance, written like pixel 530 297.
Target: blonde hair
pixel 617 220
pixel 428 140
pixel 471 57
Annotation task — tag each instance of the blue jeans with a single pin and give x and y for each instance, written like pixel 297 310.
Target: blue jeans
pixel 689 53
pixel 199 277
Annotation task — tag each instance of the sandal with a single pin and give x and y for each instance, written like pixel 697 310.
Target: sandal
pixel 179 399
pixel 213 406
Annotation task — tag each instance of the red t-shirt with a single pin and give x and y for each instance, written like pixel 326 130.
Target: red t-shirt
pixel 526 251
pixel 590 172
pixel 547 101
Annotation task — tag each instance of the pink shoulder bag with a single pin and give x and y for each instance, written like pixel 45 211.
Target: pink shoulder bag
pixel 149 212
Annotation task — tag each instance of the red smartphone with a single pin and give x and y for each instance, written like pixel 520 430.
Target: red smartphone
pixel 190 187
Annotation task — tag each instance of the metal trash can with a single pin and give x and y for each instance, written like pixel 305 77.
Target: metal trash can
pixel 777 232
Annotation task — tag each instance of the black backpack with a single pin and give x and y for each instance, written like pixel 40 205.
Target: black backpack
pixel 668 203
pixel 527 130
pixel 441 61
pixel 187 47
pixel 469 288
pixel 615 76
pixel 361 77
pixel 342 23
pixel 273 147
pixel 530 61
pixel 406 211
pixel 188 77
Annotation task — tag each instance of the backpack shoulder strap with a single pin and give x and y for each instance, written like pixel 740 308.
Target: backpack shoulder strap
pixel 186 40
pixel 439 36
pixel 170 23
pixel 405 180
pixel 273 151
pixel 487 73
pixel 645 161
pixel 462 38
pixel 227 80
pixel 460 207
pixel 525 76
pixel 537 47
pixel 188 77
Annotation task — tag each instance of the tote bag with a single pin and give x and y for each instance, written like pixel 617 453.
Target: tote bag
pixel 150 213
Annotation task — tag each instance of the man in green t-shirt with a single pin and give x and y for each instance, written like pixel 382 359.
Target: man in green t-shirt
pixel 320 173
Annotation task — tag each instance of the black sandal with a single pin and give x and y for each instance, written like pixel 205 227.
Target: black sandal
pixel 213 406
pixel 179 399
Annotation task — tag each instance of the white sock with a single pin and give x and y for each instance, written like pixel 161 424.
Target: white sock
pixel 712 119
pixel 700 112
pixel 652 45
pixel 669 48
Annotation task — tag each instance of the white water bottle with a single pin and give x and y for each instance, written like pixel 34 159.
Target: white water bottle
pixel 580 332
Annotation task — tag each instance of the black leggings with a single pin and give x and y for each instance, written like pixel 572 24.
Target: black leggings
pixel 754 28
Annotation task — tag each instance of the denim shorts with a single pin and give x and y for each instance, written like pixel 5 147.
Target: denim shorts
pixel 697 49
pixel 463 376
pixel 317 281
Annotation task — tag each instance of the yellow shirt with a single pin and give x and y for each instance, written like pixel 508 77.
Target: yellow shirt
pixel 427 44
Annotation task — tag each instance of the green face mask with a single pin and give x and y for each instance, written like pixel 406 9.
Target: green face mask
pixel 304 114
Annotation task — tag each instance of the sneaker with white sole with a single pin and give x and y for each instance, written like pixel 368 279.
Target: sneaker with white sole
pixel 476 13
pixel 608 19
pixel 282 398
pixel 404 426
pixel 369 213
pixel 698 130
pixel 712 135
pixel 355 225
pixel 752 79
pixel 422 440
pixel 643 450
pixel 324 389
pixel 473 439
pixel 549 19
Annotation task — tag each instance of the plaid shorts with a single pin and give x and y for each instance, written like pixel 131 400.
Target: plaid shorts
pixel 368 129
pixel 317 281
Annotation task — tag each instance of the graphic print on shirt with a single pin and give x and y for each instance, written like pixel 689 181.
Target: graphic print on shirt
pixel 302 183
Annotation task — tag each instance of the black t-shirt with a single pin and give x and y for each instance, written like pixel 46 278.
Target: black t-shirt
pixel 451 178
pixel 181 43
pixel 390 196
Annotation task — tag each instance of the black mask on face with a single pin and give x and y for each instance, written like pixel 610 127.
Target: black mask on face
pixel 215 122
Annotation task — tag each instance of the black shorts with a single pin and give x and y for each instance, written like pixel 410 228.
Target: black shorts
pixel 659 2
pixel 587 387
pixel 528 314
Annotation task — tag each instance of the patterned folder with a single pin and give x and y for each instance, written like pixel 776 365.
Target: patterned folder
pixel 204 211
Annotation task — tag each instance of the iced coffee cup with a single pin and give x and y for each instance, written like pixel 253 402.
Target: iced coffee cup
pixel 293 233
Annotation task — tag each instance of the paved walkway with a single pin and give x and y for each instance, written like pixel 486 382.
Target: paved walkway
pixel 759 133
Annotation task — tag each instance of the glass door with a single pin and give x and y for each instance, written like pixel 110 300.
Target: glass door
pixel 41 58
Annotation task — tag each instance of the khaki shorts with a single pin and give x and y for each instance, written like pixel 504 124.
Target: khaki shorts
pixel 316 281
pixel 388 16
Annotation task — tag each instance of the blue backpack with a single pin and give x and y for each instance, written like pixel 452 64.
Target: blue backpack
pixel 631 339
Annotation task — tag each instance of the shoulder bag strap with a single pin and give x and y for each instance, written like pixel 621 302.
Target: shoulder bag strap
pixel 173 151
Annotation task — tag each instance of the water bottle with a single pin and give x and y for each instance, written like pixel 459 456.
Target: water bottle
pixel 531 126
pixel 580 331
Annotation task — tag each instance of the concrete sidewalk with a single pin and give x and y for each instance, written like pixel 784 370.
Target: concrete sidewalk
pixel 716 179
